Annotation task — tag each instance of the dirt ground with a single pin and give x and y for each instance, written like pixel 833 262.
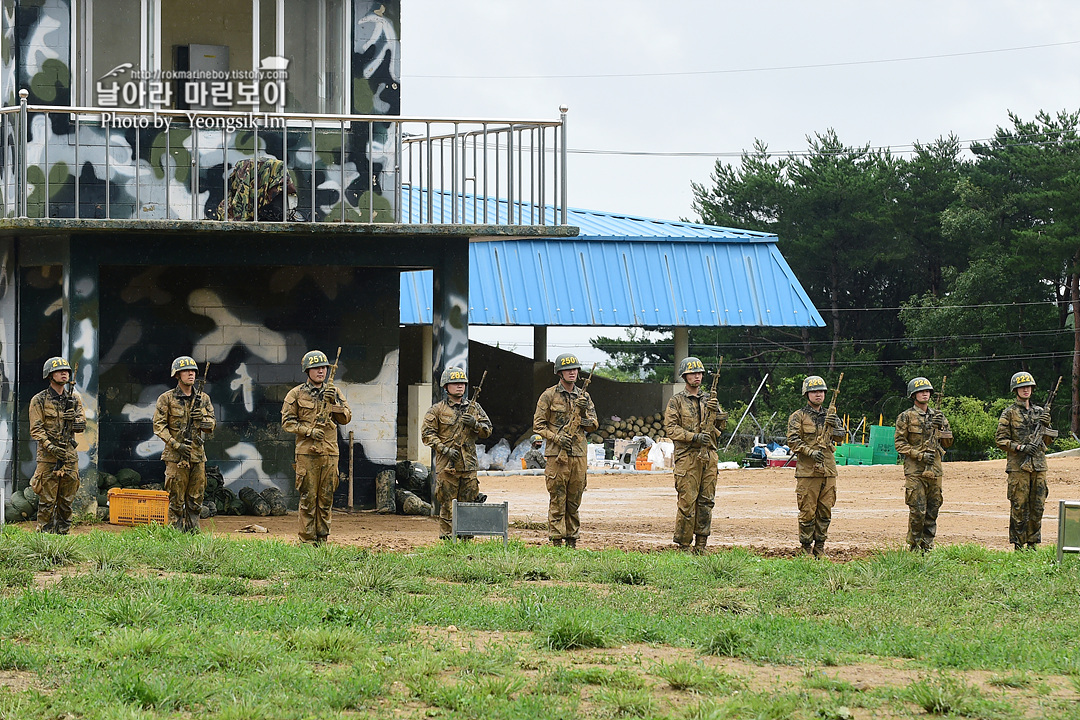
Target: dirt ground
pixel 754 509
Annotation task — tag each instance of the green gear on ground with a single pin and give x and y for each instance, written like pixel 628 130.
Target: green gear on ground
pixel 128 478
pixel 411 504
pixel 1021 379
pixel 30 496
pixel 314 359
pixel 54 364
pixel 920 383
pixel 813 382
pixel 690 365
pixel 567 361
pixel 184 362
pixel 103 498
pixel 22 508
pixel 453 375
pixel 276 499
pixel 254 503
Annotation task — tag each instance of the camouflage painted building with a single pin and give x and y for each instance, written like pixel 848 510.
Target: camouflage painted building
pixel 127 123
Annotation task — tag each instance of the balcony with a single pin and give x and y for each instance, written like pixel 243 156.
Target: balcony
pixel 108 164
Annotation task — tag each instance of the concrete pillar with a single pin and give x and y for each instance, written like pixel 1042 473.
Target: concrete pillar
pixel 682 351
pixel 9 412
pixel 540 333
pixel 419 402
pixel 450 310
pixel 425 354
pixel 82 342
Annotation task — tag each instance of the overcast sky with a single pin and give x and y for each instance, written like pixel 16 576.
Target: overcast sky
pixel 710 76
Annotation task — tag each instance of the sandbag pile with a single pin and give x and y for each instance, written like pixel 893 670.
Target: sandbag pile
pixel 650 426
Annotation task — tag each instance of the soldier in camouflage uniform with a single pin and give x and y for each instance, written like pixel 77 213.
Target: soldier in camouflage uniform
pixel 695 455
pixel 312 411
pixel 56 478
pixel 566 479
pixel 1026 463
pixel 245 189
pixel 534 456
pixel 921 437
pixel 810 433
pixel 185 458
pixel 451 428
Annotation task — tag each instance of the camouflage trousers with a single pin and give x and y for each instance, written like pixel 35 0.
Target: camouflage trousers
pixel 1027 497
pixel 816 497
pixel 316 478
pixel 565 486
pixel 186 488
pixel 451 486
pixel 923 498
pixel 54 496
pixel 695 483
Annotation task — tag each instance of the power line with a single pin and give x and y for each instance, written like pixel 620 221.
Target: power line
pixel 736 71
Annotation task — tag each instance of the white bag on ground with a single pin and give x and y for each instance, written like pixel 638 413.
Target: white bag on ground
pixel 661 453
pixel 500 454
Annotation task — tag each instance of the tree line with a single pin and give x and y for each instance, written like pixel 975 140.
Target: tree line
pixel 947 261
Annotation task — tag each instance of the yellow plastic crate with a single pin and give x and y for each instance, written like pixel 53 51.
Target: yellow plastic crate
pixel 138 507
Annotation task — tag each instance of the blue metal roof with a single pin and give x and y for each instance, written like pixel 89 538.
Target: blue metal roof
pixel 624 271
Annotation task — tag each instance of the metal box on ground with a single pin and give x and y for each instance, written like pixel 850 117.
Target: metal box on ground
pixel 138 507
pixel 470 519
pixel 1068 540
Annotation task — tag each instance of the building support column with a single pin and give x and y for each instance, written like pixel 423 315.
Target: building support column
pixel 420 396
pixel 9 411
pixel 82 343
pixel 682 351
pixel 540 343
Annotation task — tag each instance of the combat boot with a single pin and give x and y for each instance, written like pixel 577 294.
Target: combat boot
pixel 805 549
pixel 571 543
pixel 682 548
pixel 819 549
pixel 699 544
pixel 557 542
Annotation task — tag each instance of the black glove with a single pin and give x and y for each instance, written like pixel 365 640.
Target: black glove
pixel 833 419
pixel 582 403
pixel 316 433
pixel 818 456
pixel 206 424
pixel 64 454
pixel 928 457
pixel 712 404
pixel 452 453
pixel 565 440
pixel 702 439
pixel 1044 416
pixel 69 415
pixel 938 421
pixel 469 420
pixel 329 394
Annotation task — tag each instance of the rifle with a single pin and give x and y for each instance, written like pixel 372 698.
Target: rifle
pixel 187 425
pixel 461 432
pixel 574 422
pixel 67 428
pixel 824 439
pixel 1035 440
pixel 322 417
pixel 710 416
pixel 931 439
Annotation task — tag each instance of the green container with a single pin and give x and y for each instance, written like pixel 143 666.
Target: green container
pixel 841 452
pixel 841 461
pixel 883 438
pixel 885 458
pixel 862 453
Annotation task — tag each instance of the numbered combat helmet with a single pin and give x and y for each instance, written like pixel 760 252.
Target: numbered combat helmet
pixel 54 364
pixel 813 382
pixel 535 439
pixel 184 362
pixel 567 361
pixel 1021 379
pixel 314 359
pixel 916 384
pixel 453 375
pixel 691 365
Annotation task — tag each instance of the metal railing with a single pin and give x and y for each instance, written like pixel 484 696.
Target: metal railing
pixel 130 163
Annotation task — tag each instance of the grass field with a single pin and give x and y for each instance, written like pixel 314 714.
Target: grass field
pixel 151 623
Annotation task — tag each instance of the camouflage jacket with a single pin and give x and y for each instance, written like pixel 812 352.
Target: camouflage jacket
pixel 169 423
pixel 300 414
pixel 553 412
pixel 534 459
pixel 804 435
pixel 245 188
pixel 440 427
pixel 1014 428
pixel 912 426
pixel 683 418
pixel 46 420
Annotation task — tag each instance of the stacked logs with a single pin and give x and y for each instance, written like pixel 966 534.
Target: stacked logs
pixel 649 426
